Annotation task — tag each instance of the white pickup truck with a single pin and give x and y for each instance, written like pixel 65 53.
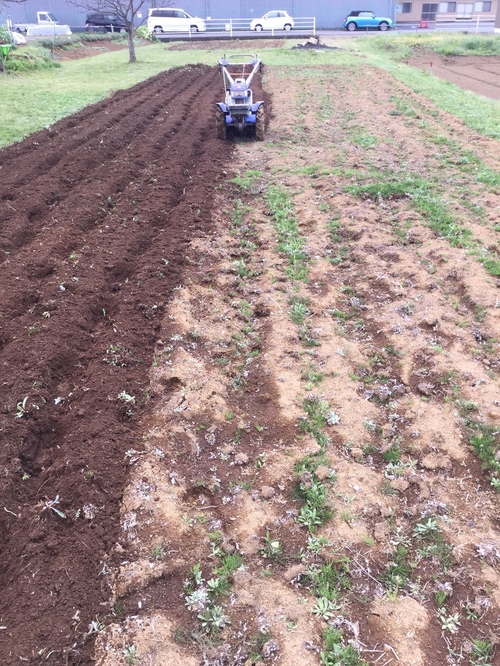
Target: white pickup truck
pixel 45 26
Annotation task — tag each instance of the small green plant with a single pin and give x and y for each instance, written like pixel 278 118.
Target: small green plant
pixel 330 579
pixel 368 539
pixel 347 516
pixel 426 529
pixel 113 356
pixel 142 32
pixel 315 544
pixel 392 455
pixel 21 408
pixel 260 460
pixel 387 489
pixel 249 180
pixel 229 563
pixel 290 243
pixel 398 571
pixel 257 645
pixel 272 549
pixel 214 619
pixel 337 653
pixel 118 609
pixel 51 505
pixel 317 411
pixel 312 376
pixel 485 438
pixel 157 552
pixel 299 310
pixel 5 36
pixel 196 574
pixel 198 599
pixel 130 655
pixel 126 397
pixel 29 59
pixel 449 623
pixel 472 613
pixel 325 608
pixel 440 597
pixel 482 651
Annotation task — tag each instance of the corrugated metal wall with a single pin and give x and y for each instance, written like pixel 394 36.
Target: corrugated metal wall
pixel 328 14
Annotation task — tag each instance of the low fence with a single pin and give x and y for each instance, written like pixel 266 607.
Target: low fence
pixel 231 25
pixel 470 23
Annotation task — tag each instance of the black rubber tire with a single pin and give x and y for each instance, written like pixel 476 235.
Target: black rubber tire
pixel 260 123
pixel 288 26
pixel 157 30
pixel 220 124
pixel 351 26
pixel 383 26
pixel 194 28
pixel 258 28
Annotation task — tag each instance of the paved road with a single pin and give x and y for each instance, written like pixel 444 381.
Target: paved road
pixel 304 34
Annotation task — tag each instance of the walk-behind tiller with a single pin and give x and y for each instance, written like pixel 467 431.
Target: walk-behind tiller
pixel 238 113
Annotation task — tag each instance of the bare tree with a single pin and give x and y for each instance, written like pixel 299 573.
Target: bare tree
pixel 127 10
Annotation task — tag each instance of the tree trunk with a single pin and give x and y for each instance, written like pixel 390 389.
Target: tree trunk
pixel 131 45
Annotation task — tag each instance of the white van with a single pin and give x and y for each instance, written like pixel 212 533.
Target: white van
pixel 169 19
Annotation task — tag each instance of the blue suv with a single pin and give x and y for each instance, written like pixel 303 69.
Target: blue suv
pixel 363 18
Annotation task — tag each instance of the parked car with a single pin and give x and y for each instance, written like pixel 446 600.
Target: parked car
pixel 46 26
pixel 110 22
pixel 275 20
pixel 363 18
pixel 170 19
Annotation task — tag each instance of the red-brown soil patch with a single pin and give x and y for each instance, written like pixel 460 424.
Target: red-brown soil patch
pixel 481 74
pixel 87 49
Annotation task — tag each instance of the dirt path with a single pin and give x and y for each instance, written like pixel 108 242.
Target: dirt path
pixel 257 377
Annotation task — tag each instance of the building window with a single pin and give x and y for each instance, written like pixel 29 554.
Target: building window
pixel 405 8
pixel 447 7
pixel 464 10
pixel 429 11
pixel 482 6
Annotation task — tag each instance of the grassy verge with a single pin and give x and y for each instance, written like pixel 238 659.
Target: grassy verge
pixel 478 113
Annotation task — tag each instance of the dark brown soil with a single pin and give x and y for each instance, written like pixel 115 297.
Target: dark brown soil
pixel 97 212
pixel 86 49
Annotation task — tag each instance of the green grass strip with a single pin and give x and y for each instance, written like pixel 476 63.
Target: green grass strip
pixel 434 210
pixel 475 111
pixel 290 242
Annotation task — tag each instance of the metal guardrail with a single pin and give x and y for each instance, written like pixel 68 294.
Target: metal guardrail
pixel 445 21
pixel 231 25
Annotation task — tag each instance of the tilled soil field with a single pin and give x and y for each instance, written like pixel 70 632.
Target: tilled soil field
pixel 250 392
pixel 97 213
pixel 479 74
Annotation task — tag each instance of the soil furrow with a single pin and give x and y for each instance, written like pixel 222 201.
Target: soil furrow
pixel 85 328
pixel 52 188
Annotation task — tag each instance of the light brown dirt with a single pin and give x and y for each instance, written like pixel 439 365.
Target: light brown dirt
pixel 412 302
